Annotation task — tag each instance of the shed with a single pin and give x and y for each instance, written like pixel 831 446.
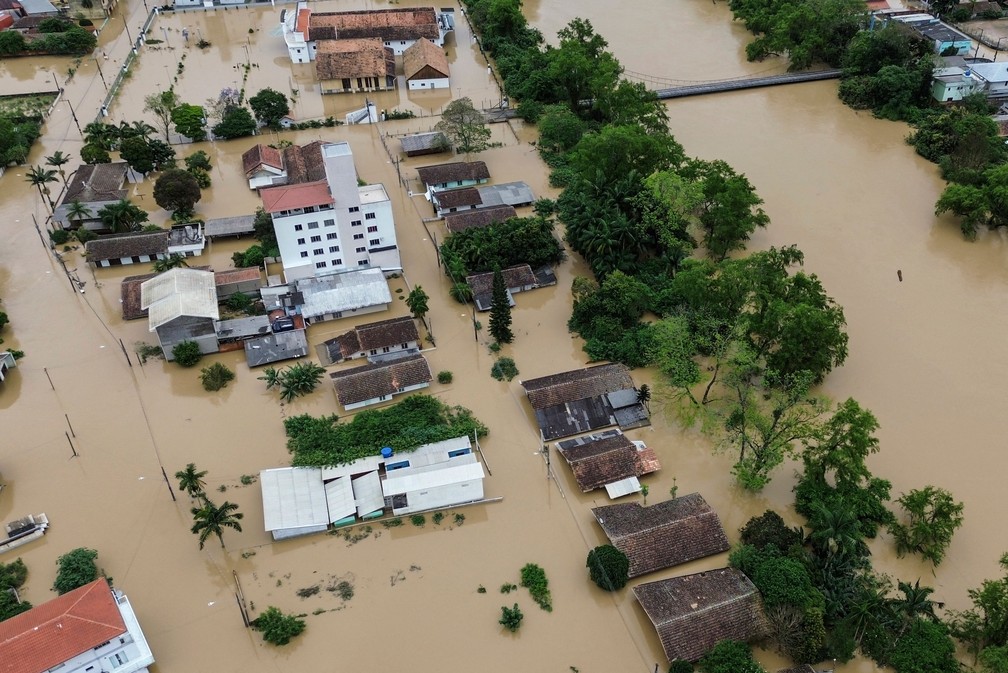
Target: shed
pixel 419 144
pixel 221 227
pixel 426 66
pixel 606 458
pixel 456 200
pixel 230 282
pixel 375 383
pixel 276 347
pixel 692 613
pixel 665 534
pixel 294 501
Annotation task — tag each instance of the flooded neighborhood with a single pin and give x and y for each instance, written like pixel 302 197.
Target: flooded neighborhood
pixel 95 422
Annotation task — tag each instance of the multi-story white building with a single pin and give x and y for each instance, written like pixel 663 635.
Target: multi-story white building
pixel 333 225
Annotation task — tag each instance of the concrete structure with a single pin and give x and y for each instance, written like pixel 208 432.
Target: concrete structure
pixel 294 502
pixel 333 225
pixel 426 66
pixel 182 306
pixel 266 166
pixel 7 362
pixel 294 25
pixel 263 166
pixel 382 338
pixel 247 281
pixel 89 629
pixel 349 66
pixel 946 39
pixel 434 476
pixel 372 384
pixel 335 296
pixel 952 84
pixel 95 186
pixel 990 78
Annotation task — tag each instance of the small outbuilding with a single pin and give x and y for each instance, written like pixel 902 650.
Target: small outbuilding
pixel 608 458
pixel 426 66
pixel 376 383
pixel 7 362
pixel 665 534
pixel 419 144
pixel 435 475
pixel 230 282
pixel 518 278
pixel 294 502
pixel 223 227
pixel 478 219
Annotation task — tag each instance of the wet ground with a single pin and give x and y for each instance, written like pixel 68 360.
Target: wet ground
pixel 925 357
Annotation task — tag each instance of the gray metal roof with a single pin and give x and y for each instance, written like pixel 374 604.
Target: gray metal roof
pixel 179 292
pixel 293 497
pixel 276 348
pixel 341 292
pixel 506 194
pixel 239 328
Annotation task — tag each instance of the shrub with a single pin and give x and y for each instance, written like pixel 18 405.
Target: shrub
pixel 278 628
pixel 680 666
pixel 534 579
pixel 608 567
pixel 216 376
pixel 76 568
pixel 511 618
pixel 59 236
pixel 187 353
pixel 239 301
pixel 504 369
pixel 444 377
pixel 437 518
pixel 84 235
pixel 418 520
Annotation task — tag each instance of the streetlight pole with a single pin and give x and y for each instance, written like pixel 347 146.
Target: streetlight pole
pixel 74 115
pixel 132 43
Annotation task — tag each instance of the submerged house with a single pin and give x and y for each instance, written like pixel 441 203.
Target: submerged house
pixel 145 246
pixel 381 339
pixel 92 628
pixel 347 66
pixel 426 66
pixel 181 306
pixel 7 362
pixel 335 296
pixel 418 144
pixel 455 174
pixel 665 534
pixel 518 278
pixel 608 460
pixel 478 219
pixel 95 186
pixel 515 194
pixel 693 613
pixel 376 383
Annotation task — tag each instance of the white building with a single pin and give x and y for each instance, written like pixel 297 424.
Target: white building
pixel 426 66
pixel 89 629
pixel 434 476
pixel 333 225
pixel 182 306
pixel 294 25
pixel 340 295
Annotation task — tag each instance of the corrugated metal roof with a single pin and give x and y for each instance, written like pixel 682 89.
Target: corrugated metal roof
pixel 344 292
pixel 366 464
pixel 340 498
pixel 368 493
pixel 179 292
pixel 455 471
pixel 618 489
pixel 293 497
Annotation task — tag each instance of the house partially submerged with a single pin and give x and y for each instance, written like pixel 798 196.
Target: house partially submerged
pixel 145 246
pixel 382 339
pixel 378 382
pixel 276 347
pixel 610 460
pixel 182 306
pixel 455 174
pixel 92 628
pixel 518 278
pixel 267 166
pixel 398 28
pixel 348 66
pixel 693 613
pixel 419 144
pixel 515 194
pixel 582 400
pixel 478 219
pixel 7 362
pixel 426 66
pixel 95 186
pixel 263 166
pixel 298 501
pixel 339 295
pixel 665 534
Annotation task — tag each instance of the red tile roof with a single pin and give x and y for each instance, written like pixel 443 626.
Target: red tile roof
pixel 303 17
pixel 52 633
pixel 259 156
pixel 290 197
pixel 353 58
pixel 424 54
pixel 408 23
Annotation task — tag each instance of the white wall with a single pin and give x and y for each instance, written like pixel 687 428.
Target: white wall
pixel 287 533
pixel 442 496
pixel 134 655
pixel 439 83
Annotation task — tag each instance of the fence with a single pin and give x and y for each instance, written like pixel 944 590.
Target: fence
pixel 133 54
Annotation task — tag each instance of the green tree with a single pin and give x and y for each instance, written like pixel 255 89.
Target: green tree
pixel 769 529
pixel 511 618
pixel 178 191
pixel 212 520
pixel 161 104
pixel 278 628
pixel 75 569
pixel 269 107
pixel 191 480
pixel 416 301
pixel 12 43
pixel 626 148
pixel 190 121
pixel 931 518
pixel 40 178
pixel 608 567
pixel 265 233
pixel 236 122
pixel 500 311
pixel 172 261
pixel 559 129
pixel 122 216
pixel 464 126
pixel 137 153
pixel 924 648
pixel 77 212
pixel 198 159
pixel 186 353
pixel 94 154
pixel 729 656
pixel 976 206
pixel 299 379
pixel 57 160
pixel 729 212
pixel 644 396
pixel 216 376
pixel 985 625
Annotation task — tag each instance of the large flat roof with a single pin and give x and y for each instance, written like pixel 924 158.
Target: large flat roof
pixel 293 497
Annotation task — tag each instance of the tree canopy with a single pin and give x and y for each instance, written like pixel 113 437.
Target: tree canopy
pixel 465 126
pixel 178 191
pixel 269 107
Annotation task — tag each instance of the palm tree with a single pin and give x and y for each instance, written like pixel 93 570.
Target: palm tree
pixel 644 397
pixel 39 177
pixel 77 212
pixel 271 376
pixel 836 533
pixel 172 261
pixel 58 159
pixel 915 602
pixel 191 481
pixel 122 216
pixel 212 520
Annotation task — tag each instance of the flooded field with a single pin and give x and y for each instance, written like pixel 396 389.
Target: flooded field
pixel 841 185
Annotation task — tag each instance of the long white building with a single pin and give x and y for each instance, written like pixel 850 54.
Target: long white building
pixel 333 225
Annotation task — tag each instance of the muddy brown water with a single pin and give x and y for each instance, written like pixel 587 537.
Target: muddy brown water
pixel 841 185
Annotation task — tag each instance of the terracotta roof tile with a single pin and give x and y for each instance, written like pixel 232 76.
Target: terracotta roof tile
pixel 304 163
pixel 577 384
pixel 370 381
pixel 349 59
pixel 372 336
pixel 135 244
pixel 665 534
pixel 426 59
pixel 602 461
pixel 386 24
pixel 54 632
pixel 98 182
pixel 453 172
pixel 259 156
pixel 516 276
pixel 237 276
pixel 478 219
pixel 290 197
pixel 453 198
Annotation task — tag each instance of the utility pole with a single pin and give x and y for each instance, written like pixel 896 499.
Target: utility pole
pixel 132 43
pixel 72 114
pixel 101 74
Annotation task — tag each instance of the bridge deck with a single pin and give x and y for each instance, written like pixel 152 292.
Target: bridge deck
pixel 748 83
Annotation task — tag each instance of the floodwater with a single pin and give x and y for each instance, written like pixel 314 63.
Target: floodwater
pixel 841 185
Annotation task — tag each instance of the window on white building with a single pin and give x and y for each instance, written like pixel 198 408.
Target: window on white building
pixel 333 248
pixel 298 227
pixel 300 241
pixel 316 239
pixel 313 225
pixel 374 241
pixel 355 209
pixel 325 206
pixel 337 262
pixel 320 265
pixel 330 223
pixel 358 237
pixel 332 237
pixel 361 249
pixel 373 229
pixel 369 216
pixel 118 659
pixel 355 223
pixel 304 253
pixel 363 262
pixel 318 251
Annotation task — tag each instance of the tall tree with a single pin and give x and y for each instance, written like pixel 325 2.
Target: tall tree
pixel 500 311
pixel 178 191
pixel 417 300
pixel 932 517
pixel 465 126
pixel 236 122
pixel 269 107
pixel 77 212
pixel 57 160
pixel 212 520
pixel 191 480
pixel 190 121
pixel 40 178
pixel 136 152
pixel 122 216
pixel 161 104
pixel 729 212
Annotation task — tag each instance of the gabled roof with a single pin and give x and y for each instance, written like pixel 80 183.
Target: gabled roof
pixel 693 613
pixel 478 219
pixel 134 244
pixel 665 534
pixel 129 294
pixel 453 198
pixel 577 384
pixel 247 275
pixel 425 143
pixel 516 276
pixel 453 172
pixel 260 156
pixel 291 197
pixel 57 631
pixel 304 163
pixel 506 193
pixel 408 23
pixel 603 459
pixel 179 292
pixel 370 381
pixel 424 54
pixel 97 182
pixel 348 59
pixel 372 335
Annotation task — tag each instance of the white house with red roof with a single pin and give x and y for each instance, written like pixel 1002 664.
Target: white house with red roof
pixel 333 225
pixel 88 630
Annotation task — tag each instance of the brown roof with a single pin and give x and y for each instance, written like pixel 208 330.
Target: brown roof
pixel 693 613
pixel 514 276
pixel 453 198
pixel 347 59
pixel 134 244
pixel 577 384
pixel 370 381
pixel 453 172
pixel 304 163
pixel 478 219
pixel 55 632
pixel 237 276
pixel 373 335
pixel 97 182
pixel 426 59
pixel 410 23
pixel 259 156
pixel 665 534
pixel 602 461
pixel 290 197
